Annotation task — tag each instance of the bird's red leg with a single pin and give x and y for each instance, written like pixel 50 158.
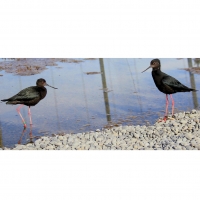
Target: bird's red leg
pixel 172 105
pixel 29 114
pixel 18 110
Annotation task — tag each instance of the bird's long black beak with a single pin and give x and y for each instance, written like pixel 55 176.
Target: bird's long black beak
pixel 147 68
pixel 50 86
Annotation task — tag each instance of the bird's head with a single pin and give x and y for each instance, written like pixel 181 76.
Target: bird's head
pixel 154 64
pixel 42 82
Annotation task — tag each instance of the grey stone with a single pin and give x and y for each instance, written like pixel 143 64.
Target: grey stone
pixel 60 137
pixel 136 135
pixel 42 146
pixel 188 147
pixel 193 143
pixel 19 147
pixel 189 136
pixel 37 142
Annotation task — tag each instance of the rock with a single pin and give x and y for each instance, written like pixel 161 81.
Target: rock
pixel 70 139
pixel 183 121
pixel 87 136
pixel 60 137
pixel 133 140
pixel 130 148
pixel 196 120
pixel 189 136
pixel 193 143
pixel 198 146
pixel 64 142
pixel 37 142
pixel 58 143
pixel 30 145
pixel 136 135
pixel 42 146
pixel 100 138
pixel 141 143
pixel 188 147
pixel 19 147
pixel 123 131
pixel 50 147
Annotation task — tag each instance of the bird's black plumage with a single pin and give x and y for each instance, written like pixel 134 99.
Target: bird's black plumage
pixel 29 96
pixel 165 83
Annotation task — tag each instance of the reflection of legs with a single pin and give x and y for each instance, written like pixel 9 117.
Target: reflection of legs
pixel 20 139
pixel 29 114
pixel 18 110
pixel 172 104
pixel 30 134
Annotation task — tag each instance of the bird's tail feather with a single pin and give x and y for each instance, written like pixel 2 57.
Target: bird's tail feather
pixel 10 102
pixel 13 102
pixel 193 90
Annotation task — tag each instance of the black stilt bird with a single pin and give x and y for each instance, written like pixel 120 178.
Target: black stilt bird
pixel 166 84
pixel 30 97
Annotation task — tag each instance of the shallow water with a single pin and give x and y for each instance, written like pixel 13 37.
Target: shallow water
pixel 119 94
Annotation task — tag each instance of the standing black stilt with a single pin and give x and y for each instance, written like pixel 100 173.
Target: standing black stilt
pixel 166 84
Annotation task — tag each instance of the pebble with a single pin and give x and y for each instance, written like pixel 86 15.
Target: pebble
pixel 189 136
pixel 183 133
pixel 136 135
pixel 42 146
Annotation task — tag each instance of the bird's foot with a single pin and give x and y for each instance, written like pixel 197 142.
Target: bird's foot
pixel 172 117
pixel 164 119
pixel 167 118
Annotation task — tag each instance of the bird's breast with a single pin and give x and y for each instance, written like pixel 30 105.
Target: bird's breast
pixel 157 77
pixel 43 93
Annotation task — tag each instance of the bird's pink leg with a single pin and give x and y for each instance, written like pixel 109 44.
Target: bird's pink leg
pixel 166 109
pixel 18 110
pixel 172 104
pixel 29 114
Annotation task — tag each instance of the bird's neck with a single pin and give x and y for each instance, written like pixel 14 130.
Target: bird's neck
pixel 42 91
pixel 156 69
pixel 157 76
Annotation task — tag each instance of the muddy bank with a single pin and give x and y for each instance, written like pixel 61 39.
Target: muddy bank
pixel 31 66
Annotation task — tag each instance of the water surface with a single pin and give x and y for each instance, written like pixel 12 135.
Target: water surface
pixel 116 92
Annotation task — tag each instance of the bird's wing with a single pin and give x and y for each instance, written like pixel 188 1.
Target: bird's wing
pixel 26 94
pixel 173 83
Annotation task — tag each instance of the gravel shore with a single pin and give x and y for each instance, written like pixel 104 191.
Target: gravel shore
pixel 182 133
